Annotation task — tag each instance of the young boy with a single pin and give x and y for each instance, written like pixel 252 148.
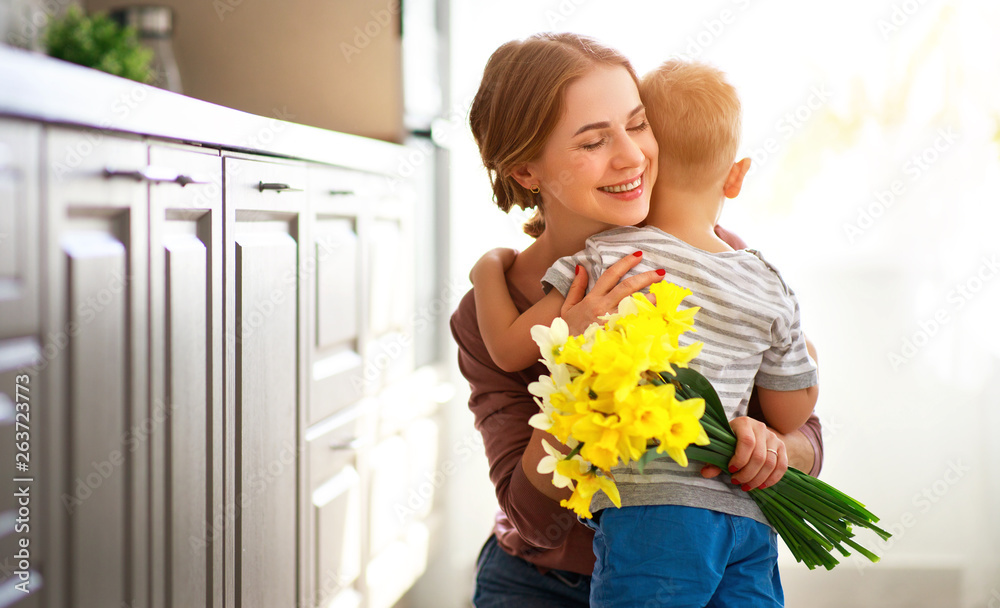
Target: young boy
pixel 679 538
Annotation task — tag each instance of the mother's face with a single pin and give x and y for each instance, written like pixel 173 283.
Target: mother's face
pixel 599 163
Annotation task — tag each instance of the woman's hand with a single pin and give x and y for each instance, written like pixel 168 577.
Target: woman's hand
pixel 580 308
pixel 760 459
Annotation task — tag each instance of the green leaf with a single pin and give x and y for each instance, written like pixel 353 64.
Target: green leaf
pixel 98 42
pixel 650 454
pixel 699 385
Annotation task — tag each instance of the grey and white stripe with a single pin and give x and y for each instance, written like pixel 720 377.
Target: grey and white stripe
pixel 749 324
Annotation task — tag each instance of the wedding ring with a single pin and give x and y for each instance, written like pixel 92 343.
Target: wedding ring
pixel 773 450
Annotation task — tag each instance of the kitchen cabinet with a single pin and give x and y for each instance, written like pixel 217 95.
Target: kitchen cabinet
pixel 95 319
pixel 265 203
pixel 186 381
pixel 221 337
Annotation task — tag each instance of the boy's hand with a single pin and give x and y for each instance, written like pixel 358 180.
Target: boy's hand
pixel 580 308
pixel 501 256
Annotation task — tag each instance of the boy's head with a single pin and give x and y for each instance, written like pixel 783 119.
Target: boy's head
pixel 695 116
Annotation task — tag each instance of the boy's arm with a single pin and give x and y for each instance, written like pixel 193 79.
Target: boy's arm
pixel 505 331
pixel 787 380
pixel 786 411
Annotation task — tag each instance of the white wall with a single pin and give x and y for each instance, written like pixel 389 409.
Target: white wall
pixel 909 430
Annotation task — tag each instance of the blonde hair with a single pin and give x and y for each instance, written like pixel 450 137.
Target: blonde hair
pixel 519 102
pixel 695 117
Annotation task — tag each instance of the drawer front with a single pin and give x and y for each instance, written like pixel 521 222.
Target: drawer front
pixel 19 233
pixel 336 364
pixel 336 441
pixel 338 519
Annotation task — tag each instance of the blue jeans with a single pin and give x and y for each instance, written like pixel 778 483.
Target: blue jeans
pixel 683 557
pixel 505 581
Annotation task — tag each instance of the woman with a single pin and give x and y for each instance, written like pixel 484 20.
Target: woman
pixel 566 151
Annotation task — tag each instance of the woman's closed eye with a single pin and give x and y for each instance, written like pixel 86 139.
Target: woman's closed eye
pixel 639 128
pixel 594 145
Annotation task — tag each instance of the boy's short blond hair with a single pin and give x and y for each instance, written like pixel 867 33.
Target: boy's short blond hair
pixel 695 116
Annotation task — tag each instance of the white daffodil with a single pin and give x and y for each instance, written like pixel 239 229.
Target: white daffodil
pixel 548 463
pixel 543 419
pixel 544 387
pixel 549 339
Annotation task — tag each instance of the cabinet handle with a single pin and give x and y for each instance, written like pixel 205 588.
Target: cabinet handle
pixel 341 192
pixel 277 187
pixel 353 444
pixel 156 175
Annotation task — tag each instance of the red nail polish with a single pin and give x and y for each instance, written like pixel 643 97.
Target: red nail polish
pixel 661 272
pixel 745 488
pixel 637 254
pixel 578 268
pixel 734 481
pixel 732 468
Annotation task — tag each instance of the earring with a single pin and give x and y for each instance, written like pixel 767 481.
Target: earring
pixel 535 189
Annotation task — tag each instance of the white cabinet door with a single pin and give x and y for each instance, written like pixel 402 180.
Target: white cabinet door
pixel 264 206
pixel 186 346
pixel 19 247
pixel 20 387
pixel 98 415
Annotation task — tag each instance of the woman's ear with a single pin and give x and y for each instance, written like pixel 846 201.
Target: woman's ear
pixel 734 181
pixel 525 176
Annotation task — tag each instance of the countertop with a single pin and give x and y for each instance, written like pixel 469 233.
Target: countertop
pixel 41 88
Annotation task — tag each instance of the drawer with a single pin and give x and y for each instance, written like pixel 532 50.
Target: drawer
pixel 336 362
pixel 334 443
pixel 266 184
pixel 404 480
pixel 338 523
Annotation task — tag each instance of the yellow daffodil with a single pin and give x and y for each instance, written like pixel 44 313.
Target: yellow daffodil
pixel 605 393
pixel 685 429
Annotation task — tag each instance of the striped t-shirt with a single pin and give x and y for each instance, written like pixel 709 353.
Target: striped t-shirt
pixel 749 324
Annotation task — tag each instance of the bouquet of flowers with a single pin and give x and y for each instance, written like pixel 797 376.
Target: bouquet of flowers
pixel 623 392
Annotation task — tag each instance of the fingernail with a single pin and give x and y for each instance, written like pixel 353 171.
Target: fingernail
pixel 637 254
pixel 762 486
pixel 732 468
pixel 661 272
pixel 734 481
pixel 578 268
pixel 745 487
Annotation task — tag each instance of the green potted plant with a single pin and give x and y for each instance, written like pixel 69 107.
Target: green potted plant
pixel 98 42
